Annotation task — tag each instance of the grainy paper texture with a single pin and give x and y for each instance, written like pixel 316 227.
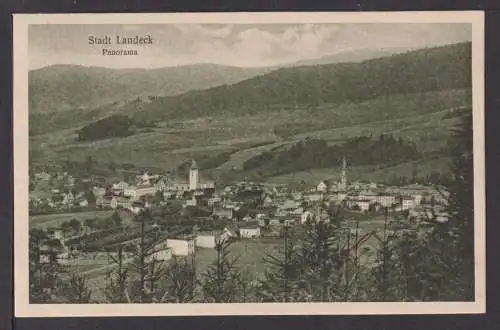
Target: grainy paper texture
pixel 249 164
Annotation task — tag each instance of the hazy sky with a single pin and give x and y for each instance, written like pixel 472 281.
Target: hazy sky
pixel 237 45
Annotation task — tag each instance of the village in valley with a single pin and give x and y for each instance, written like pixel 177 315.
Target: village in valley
pixel 191 214
pixel 339 173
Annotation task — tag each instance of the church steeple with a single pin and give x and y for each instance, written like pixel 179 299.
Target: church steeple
pixel 343 177
pixel 193 176
pixel 193 165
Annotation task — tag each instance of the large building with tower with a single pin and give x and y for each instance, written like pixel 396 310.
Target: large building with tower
pixel 194 181
pixel 340 186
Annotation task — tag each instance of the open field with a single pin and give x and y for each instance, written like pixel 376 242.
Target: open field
pixel 55 220
pixel 366 173
pixel 250 254
pixel 419 117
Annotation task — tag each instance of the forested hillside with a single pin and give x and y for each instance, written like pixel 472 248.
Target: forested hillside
pixel 433 69
pixel 113 126
pixel 70 87
pixel 359 151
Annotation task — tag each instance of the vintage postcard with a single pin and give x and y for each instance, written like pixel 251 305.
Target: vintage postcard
pixel 249 164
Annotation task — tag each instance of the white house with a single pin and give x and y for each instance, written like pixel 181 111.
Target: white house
pixel 368 195
pixel 247 218
pixel 386 200
pixel 181 246
pixel 145 178
pixel 407 203
pixel 417 198
pixel 213 201
pixel 191 202
pixel 143 190
pixel 44 176
pixel 130 191
pixel 364 204
pixel 123 202
pixel 120 186
pixel 322 187
pixel 161 185
pixel 98 191
pixel 207 239
pixel 250 231
pixel 268 201
pixel 69 199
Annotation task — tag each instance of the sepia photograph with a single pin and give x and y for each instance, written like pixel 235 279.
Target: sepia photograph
pixel 271 163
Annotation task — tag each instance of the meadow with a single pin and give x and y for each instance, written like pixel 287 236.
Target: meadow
pixel 56 219
pixel 379 173
pixel 419 117
pixel 248 252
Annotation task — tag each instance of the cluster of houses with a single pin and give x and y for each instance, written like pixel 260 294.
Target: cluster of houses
pixel 60 196
pixel 186 245
pixel 250 203
pixel 251 209
pixel 140 194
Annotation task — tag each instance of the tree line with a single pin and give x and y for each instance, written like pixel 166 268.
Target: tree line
pixel 112 126
pixel 314 153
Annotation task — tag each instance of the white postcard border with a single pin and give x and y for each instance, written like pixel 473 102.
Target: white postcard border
pixel 21 158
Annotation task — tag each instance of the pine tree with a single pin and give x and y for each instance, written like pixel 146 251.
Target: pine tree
pixel 449 274
pixel 461 208
pixel 320 258
pixel 158 198
pixel 179 282
pixel 384 280
pixel 117 280
pixel 145 264
pixel 76 291
pixel 436 262
pixel 220 283
pixel 279 283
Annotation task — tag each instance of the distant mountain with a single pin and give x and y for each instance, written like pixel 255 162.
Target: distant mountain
pixel 69 87
pixel 351 56
pixel 424 70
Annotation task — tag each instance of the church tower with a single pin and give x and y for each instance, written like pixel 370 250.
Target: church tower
pixel 193 176
pixel 343 175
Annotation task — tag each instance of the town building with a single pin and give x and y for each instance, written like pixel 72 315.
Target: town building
pixel 407 203
pixel 322 187
pixel 364 204
pixel 120 202
pixel 98 191
pixel 250 230
pixel 120 186
pixel 181 246
pixel 44 176
pixel 208 239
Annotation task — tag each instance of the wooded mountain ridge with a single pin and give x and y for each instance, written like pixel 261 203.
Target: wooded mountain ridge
pixel 430 69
